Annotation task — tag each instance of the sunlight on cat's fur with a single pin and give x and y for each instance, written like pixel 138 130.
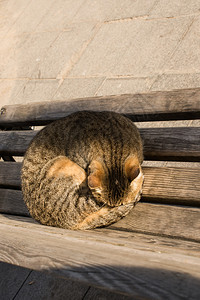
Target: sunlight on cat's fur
pixel 83 171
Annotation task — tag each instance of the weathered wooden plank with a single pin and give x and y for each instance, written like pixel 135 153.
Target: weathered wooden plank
pixel 96 234
pixel 146 268
pixel 10 174
pixel 11 202
pixel 164 220
pixel 165 105
pixel 15 142
pixel 167 220
pixel 172 185
pixel 182 143
pixel 165 185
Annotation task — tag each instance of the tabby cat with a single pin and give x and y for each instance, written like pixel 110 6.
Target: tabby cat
pixel 83 171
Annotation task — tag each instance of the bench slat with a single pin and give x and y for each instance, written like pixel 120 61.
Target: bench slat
pixel 172 185
pixel 10 173
pixel 145 267
pixel 165 185
pixel 158 219
pixel 15 142
pixel 11 202
pixel 165 105
pixel 162 220
pixel 175 143
pixel 180 143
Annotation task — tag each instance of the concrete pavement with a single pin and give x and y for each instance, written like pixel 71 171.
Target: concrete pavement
pixel 67 49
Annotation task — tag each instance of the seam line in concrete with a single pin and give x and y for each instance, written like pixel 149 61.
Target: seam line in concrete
pixel 23 10
pixel 86 293
pixel 44 54
pixel 22 285
pixel 81 5
pixel 174 50
pixel 44 16
pixel 149 18
pixel 153 6
pixel 143 17
pixel 100 86
pixel 76 57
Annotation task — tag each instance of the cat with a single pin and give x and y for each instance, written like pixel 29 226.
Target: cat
pixel 83 171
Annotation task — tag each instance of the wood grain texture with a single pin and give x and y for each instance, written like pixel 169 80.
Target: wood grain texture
pixel 164 220
pixel 158 219
pixel 164 185
pixel 11 202
pixel 15 142
pixel 10 174
pixel 180 143
pixel 165 105
pixel 172 185
pixel 143 267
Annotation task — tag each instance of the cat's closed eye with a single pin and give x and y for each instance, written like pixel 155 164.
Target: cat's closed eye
pixel 133 174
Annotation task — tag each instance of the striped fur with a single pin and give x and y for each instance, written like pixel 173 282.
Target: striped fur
pixel 83 137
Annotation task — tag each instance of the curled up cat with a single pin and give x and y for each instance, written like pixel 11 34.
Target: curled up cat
pixel 83 171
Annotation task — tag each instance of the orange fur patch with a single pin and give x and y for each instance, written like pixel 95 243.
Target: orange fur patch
pixel 92 218
pixel 65 167
pixel 131 167
pixel 96 174
pixel 136 187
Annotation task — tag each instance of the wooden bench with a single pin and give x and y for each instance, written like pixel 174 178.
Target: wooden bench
pixel 154 252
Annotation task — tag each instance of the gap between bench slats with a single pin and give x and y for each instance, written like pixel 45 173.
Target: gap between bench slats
pixel 179 143
pixel 165 185
pixel 164 105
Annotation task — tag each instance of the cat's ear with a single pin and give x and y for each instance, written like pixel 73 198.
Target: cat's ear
pixel 64 167
pixel 96 175
pixel 132 168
